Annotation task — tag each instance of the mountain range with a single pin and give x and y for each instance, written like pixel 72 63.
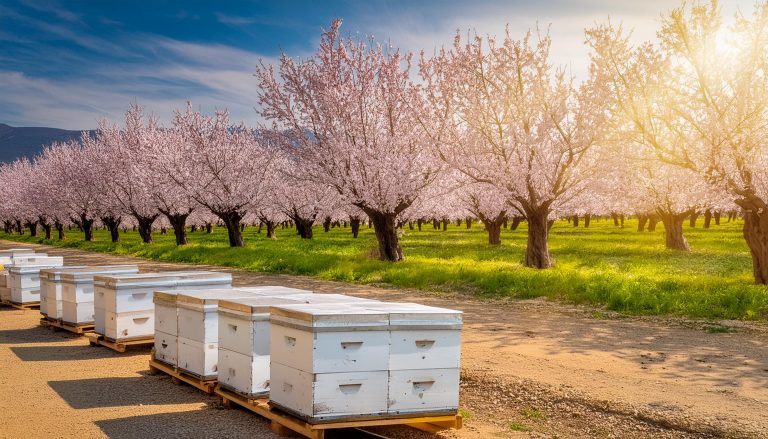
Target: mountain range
pixel 18 142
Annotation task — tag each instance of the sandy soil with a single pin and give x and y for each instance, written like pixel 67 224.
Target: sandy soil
pixel 549 368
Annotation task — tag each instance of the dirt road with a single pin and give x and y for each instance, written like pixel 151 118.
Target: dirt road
pixel 530 369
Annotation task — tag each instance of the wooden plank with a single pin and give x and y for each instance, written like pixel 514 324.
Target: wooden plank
pixel 58 324
pixel 178 376
pixel 24 306
pixel 317 431
pixel 118 346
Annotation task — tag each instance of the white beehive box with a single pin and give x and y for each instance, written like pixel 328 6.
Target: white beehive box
pixel 50 292
pixel 166 346
pixel 77 290
pixel 24 280
pixel 40 259
pixel 432 391
pixel 5 294
pixel 124 305
pixel 329 360
pixel 422 337
pixel 198 329
pixel 424 358
pixel 244 342
pixel 328 396
pixel 329 337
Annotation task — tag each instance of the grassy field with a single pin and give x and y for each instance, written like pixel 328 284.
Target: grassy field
pixel 620 269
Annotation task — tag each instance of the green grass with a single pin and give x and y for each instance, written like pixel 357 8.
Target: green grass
pixel 620 269
pixel 518 426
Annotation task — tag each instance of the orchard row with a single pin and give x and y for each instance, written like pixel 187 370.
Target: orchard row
pixel 487 128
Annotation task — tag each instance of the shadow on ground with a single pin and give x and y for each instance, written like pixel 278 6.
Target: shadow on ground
pixel 123 391
pixel 207 423
pixel 66 353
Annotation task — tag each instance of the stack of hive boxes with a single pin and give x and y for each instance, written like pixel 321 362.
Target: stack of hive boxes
pixel 332 362
pixel 24 277
pixel 77 291
pixel 244 337
pixel 424 358
pixel 50 291
pixel 123 304
pixel 186 325
pixel 7 260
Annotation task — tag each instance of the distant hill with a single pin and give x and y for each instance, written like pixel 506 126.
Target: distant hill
pixel 18 142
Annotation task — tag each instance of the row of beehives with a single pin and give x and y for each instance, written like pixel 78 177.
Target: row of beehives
pixel 19 274
pixel 319 356
pixel 327 356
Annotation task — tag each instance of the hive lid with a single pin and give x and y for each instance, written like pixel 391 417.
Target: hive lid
pixel 406 314
pixel 256 305
pixel 329 317
pixel 24 269
pixel 164 279
pixel 87 272
pixel 55 273
pixel 32 260
pixel 210 296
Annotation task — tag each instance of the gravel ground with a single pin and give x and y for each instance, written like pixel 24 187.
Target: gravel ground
pixel 530 369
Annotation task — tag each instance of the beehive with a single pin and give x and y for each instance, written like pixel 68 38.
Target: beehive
pixel 424 358
pixel 24 279
pixel 329 361
pixel 50 292
pixel 77 291
pixel 123 304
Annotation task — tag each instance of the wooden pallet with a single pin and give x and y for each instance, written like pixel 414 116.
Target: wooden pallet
pixel 284 424
pixel 119 346
pixel 24 306
pixel 73 328
pixel 178 376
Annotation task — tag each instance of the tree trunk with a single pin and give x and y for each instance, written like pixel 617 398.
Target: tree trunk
pixel 641 220
pixel 468 223
pixel 673 231
pixel 615 217
pixel 537 250
pixel 410 225
pixel 694 216
pixel 717 217
pixel 32 228
pixel 19 227
pixel 271 229
pixel 355 225
pixel 145 227
pixel 231 221
pixel 575 221
pixel 435 224
pixel 621 220
pixel 303 226
pixel 493 227
pixel 209 228
pixel 707 218
pixel 87 226
pixel 46 229
pixel 419 222
pixel 652 221
pixel 386 234
pixel 113 225
pixel 587 219
pixel 179 224
pixel 193 229
pixel 59 228
pixel 327 224
pixel 756 235
pixel 445 224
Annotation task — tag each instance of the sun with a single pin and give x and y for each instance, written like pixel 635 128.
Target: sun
pixel 728 43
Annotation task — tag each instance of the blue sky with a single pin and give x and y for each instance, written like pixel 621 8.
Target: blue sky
pixel 66 64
